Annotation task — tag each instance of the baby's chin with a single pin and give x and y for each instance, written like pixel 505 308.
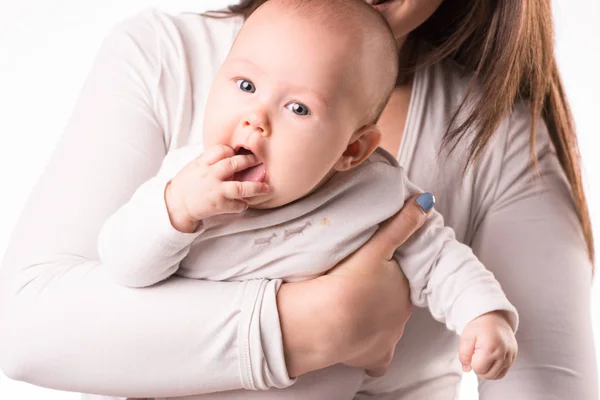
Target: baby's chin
pixel 265 202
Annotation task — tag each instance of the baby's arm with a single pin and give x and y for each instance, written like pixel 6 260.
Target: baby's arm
pixel 134 243
pixel 136 249
pixel 445 276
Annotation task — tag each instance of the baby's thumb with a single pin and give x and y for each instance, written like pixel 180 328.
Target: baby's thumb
pixel 466 350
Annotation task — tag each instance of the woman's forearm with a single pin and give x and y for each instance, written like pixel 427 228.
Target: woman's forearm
pixel 65 323
pixel 307 326
pixel 67 326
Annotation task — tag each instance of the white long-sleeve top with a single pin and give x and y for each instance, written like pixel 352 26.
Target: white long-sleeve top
pixel 301 240
pixel 66 325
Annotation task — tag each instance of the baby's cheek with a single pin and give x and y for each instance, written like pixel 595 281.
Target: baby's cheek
pixel 292 181
pixel 209 131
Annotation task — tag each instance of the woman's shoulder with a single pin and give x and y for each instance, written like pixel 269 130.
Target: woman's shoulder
pixel 439 166
pixel 152 41
pixel 176 34
pixel 446 90
pixel 174 58
pixel 447 84
pixel 206 24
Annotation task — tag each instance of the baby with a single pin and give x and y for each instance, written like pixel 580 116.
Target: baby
pixel 289 179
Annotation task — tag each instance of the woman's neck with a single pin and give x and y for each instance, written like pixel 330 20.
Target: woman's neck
pixel 393 118
pixel 407 60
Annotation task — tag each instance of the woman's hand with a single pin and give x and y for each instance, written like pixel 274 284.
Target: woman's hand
pixel 355 314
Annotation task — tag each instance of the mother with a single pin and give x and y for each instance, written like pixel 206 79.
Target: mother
pixel 482 121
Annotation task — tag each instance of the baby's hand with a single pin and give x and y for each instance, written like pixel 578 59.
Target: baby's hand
pixel 488 345
pixel 204 187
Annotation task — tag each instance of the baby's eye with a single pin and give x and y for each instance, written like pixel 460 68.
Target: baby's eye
pixel 246 85
pixel 298 108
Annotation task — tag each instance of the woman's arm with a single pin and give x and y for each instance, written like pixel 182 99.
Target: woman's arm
pixel 532 241
pixel 65 324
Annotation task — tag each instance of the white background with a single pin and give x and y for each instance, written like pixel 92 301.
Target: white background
pixel 46 50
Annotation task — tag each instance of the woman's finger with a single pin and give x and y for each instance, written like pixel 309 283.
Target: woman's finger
pixel 396 230
pixel 380 370
pixel 235 190
pixel 226 167
pixel 376 372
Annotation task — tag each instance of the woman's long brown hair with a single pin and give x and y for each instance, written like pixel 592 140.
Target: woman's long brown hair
pixel 509 48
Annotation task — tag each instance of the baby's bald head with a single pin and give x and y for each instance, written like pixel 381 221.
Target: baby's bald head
pixel 302 87
pixel 371 58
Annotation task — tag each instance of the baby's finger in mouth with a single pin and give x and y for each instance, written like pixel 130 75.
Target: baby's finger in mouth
pixel 228 167
pixel 239 190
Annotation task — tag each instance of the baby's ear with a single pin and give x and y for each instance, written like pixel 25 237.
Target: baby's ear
pixel 363 143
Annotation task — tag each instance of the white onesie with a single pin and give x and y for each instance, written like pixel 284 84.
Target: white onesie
pixel 303 240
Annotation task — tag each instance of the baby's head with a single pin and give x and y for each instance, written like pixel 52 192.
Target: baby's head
pixel 302 88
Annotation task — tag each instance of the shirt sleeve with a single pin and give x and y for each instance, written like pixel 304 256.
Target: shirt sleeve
pixel 65 324
pixel 531 239
pixel 445 276
pixel 138 245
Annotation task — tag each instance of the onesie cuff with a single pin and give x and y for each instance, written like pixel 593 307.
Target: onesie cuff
pixel 156 207
pixel 478 301
pixel 261 356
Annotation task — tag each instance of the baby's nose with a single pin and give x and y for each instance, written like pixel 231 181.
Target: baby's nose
pixel 257 121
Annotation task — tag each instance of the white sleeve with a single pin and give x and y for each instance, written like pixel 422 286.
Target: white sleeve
pixel 138 245
pixel 532 240
pixel 445 275
pixel 65 324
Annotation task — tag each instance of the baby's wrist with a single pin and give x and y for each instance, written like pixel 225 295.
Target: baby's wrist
pixel 178 216
pixel 502 315
pixel 499 318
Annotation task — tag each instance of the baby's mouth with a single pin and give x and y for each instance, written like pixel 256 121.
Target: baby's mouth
pixel 257 173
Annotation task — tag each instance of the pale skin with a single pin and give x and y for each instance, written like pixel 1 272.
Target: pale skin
pixel 296 120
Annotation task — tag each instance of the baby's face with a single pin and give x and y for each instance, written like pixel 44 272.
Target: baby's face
pixel 286 92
